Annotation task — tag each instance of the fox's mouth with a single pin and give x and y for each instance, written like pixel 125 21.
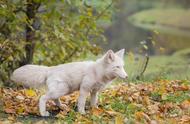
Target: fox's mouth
pixel 123 76
pixel 117 75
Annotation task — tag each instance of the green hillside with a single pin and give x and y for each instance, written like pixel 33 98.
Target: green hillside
pixel 172 21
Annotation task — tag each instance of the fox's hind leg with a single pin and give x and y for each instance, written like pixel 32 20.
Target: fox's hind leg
pixel 55 91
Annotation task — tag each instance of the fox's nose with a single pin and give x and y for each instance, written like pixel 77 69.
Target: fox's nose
pixel 126 76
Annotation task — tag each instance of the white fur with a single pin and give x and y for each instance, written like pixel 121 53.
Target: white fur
pixel 87 77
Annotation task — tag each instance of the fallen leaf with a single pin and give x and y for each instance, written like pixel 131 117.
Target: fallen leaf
pixel 20 97
pixel 153 122
pixel 30 92
pixel 119 119
pixel 153 109
pixel 97 111
pixel 111 113
pixel 185 119
pixel 141 115
pixel 12 118
pixel 10 111
pixel 41 122
pixel 20 110
pixel 185 104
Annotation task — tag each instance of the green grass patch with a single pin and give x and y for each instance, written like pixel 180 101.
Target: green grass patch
pixel 159 67
pixel 173 20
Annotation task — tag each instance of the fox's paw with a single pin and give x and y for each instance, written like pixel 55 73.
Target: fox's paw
pixel 45 113
pixel 82 112
pixel 94 106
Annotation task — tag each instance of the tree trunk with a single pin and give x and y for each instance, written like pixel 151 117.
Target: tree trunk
pixel 31 11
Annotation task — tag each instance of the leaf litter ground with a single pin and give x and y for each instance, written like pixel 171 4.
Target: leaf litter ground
pixel 162 101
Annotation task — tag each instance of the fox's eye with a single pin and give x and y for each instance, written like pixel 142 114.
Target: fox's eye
pixel 117 66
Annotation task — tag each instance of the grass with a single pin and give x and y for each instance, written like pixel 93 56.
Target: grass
pixel 160 67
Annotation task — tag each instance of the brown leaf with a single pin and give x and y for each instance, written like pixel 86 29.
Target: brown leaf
pixel 10 111
pixel 178 87
pixel 185 119
pixel 185 104
pixel 41 122
pixel 141 115
pixel 153 122
pixel 153 109
pixel 111 113
pixel 146 100
pixel 12 118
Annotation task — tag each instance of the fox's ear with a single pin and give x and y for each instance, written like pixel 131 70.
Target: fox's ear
pixel 120 53
pixel 109 57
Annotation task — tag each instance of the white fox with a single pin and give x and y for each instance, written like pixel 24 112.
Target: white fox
pixel 87 77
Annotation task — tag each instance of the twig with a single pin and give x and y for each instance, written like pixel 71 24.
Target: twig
pixel 98 16
pixel 144 68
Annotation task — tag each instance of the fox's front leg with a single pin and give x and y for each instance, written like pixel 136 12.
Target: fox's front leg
pixel 94 99
pixel 82 100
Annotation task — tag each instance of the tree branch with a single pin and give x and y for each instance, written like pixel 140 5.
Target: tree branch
pixel 102 13
pixel 98 16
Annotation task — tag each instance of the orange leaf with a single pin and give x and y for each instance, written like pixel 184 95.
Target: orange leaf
pixel 97 111
pixel 140 115
pixel 185 104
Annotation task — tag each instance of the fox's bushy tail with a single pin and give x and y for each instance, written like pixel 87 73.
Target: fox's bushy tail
pixel 30 75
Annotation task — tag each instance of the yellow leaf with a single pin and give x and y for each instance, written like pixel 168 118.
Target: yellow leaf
pixel 119 119
pixel 153 42
pixel 156 32
pixel 139 115
pixel 164 96
pixel 20 110
pixel 131 56
pixel 30 92
pixel 162 50
pixel 145 47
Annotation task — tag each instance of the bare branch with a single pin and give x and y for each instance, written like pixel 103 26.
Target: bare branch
pixel 144 67
pixel 98 16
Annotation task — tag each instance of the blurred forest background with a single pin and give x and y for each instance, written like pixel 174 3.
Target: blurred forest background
pixel 59 31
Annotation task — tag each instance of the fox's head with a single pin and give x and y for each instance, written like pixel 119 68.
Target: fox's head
pixel 114 63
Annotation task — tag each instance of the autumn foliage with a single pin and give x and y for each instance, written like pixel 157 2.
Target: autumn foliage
pixel 152 103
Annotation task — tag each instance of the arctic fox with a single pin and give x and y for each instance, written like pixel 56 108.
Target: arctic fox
pixel 87 77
